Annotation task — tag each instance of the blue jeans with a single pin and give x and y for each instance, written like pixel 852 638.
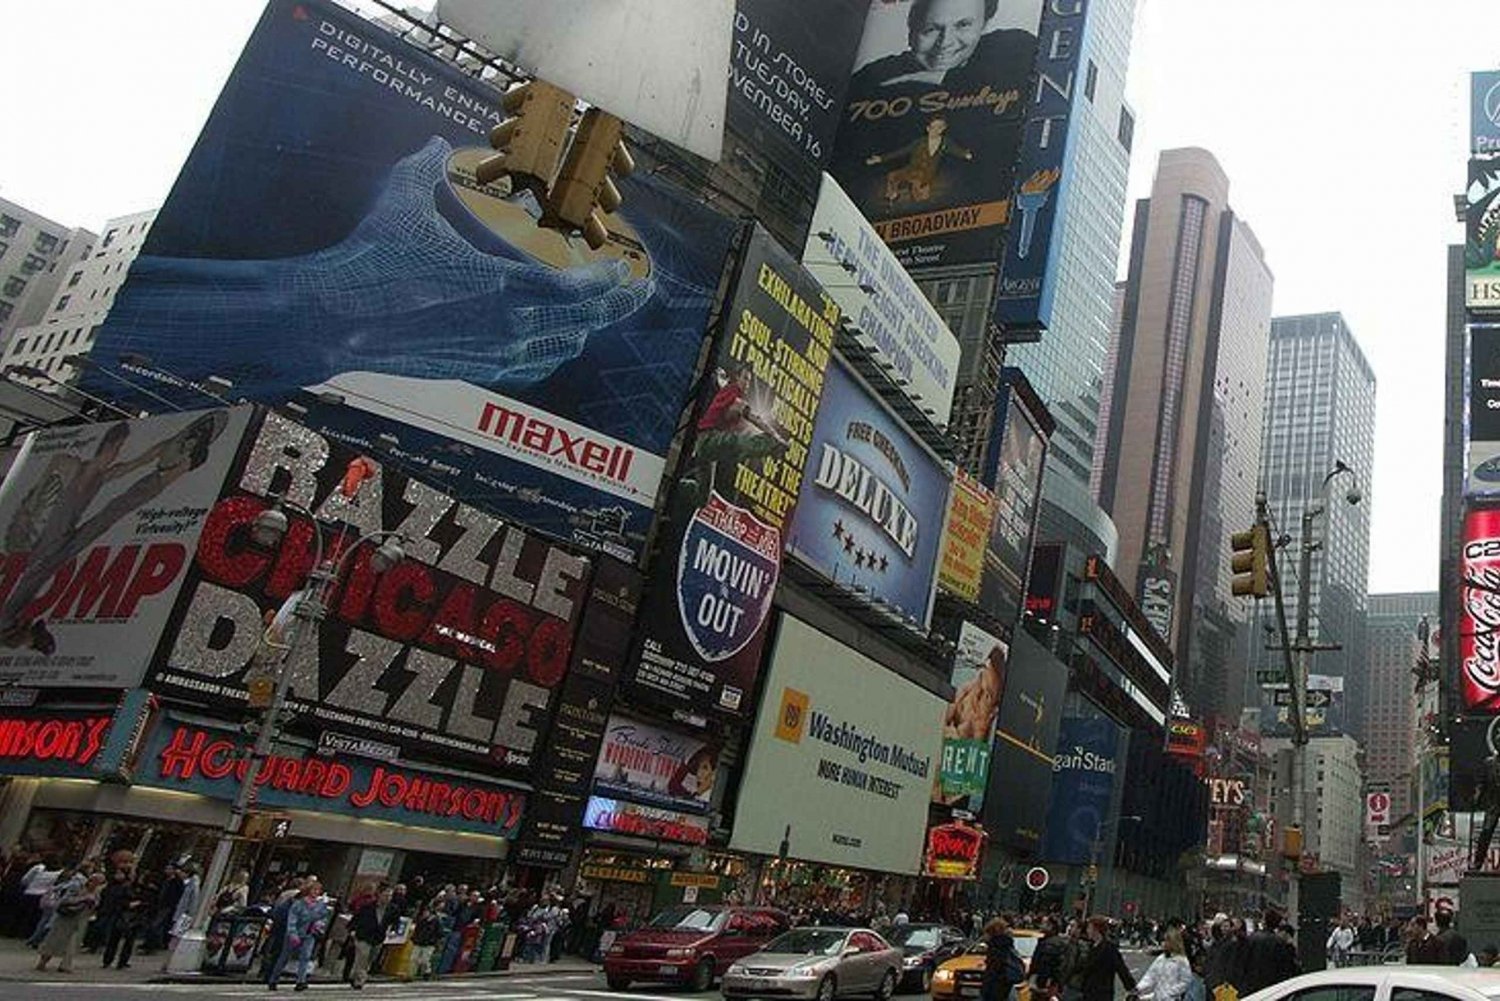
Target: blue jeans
pixel 303 952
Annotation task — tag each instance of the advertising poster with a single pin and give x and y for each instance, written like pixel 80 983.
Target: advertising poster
pixel 705 617
pixel 100 522
pixel 1479 612
pixel 1482 421
pixel 326 242
pixel 888 313
pixel 642 821
pixel 1482 236
pixel 1083 786
pixel 648 764
pixel 1025 739
pixel 457 651
pixel 969 724
pixel 1013 469
pixel 1484 112
pixel 870 512
pixel 853 744
pixel 788 66
pixel 932 125
pixel 966 533
pixel 1044 583
pixel 1023 298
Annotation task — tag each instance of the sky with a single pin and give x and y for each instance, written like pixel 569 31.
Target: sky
pixel 1339 122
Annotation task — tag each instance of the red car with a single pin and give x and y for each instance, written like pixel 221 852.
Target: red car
pixel 690 944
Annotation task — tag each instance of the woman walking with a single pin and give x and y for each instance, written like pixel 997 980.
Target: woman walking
pixel 1002 964
pixel 1169 977
pixel 72 913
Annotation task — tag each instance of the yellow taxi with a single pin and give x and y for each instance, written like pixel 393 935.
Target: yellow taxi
pixel 961 977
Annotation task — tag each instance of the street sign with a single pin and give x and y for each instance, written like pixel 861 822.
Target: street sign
pixel 1268 676
pixel 1317 698
pixel 1037 879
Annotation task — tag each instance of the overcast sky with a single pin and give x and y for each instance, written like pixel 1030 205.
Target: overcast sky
pixel 1339 122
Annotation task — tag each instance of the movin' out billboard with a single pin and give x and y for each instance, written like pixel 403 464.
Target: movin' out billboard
pixel 326 242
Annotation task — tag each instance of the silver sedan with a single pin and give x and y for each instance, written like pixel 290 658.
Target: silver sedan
pixel 817 963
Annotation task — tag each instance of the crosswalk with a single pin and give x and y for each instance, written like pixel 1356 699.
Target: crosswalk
pixel 524 987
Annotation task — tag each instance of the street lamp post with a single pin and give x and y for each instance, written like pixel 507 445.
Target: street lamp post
pixel 307 606
pixel 1097 850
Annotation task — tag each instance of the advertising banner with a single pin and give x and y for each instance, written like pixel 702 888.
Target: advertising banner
pixel 872 498
pixel 648 764
pixel 1023 298
pixel 1482 236
pixel 969 724
pixel 457 651
pixel 56 743
pixel 1377 809
pixel 1025 739
pixel 1013 469
pixel 1484 112
pixel 327 234
pixel 1482 420
pixel 641 821
pixel 1083 786
pixel 705 617
pixel 971 511
pixel 1044 583
pixel 889 314
pixel 954 851
pixel 100 522
pixel 1479 612
pixel 932 125
pixel 853 744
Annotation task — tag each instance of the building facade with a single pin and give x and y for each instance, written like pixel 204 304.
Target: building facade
pixel 35 254
pixel 1183 424
pixel 1392 629
pixel 1320 411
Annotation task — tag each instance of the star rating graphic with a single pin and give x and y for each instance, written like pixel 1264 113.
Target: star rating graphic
pixel 862 557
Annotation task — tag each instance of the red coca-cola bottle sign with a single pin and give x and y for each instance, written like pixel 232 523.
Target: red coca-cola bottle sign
pixel 1479 622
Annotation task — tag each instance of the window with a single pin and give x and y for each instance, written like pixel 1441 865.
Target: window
pixel 45 243
pixel 32 264
pixel 14 287
pixel 1091 81
pixel 1417 994
pixel 9 225
pixel 74 278
pixel 5 309
pixel 3 248
pixel 20 345
pixel 108 238
pixel 1126 132
pixel 62 303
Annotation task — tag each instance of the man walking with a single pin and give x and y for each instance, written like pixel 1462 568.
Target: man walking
pixel 1269 958
pixel 1452 948
pixel 371 921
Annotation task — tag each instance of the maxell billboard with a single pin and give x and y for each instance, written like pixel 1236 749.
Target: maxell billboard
pixel 705 615
pixel 932 125
pixel 326 242
pixel 870 512
pixel 100 525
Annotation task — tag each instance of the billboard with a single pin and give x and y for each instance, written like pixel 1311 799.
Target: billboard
pixel 888 313
pixel 853 744
pixel 1013 467
pixel 869 514
pixel 326 243
pixel 971 511
pixel 458 651
pixel 1482 420
pixel 1023 298
pixel 1044 583
pixel 649 764
pixel 1083 786
pixel 969 724
pixel 705 617
pixel 932 125
pixel 1482 236
pixel 1479 612
pixel 1484 112
pixel 1025 739
pixel 100 523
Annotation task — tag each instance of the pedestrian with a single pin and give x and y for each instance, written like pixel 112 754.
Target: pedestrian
pixel 1422 947
pixel 306 922
pixel 166 909
pixel 370 923
pixel 120 941
pixel 74 905
pixel 1226 956
pixel 236 893
pixel 1269 958
pixel 425 937
pixel 112 900
pixel 276 938
pixel 1170 975
pixel 1488 955
pixel 1047 960
pixel 1341 940
pixel 187 903
pixel 68 878
pixel 1452 949
pixel 1104 963
pixel 1002 965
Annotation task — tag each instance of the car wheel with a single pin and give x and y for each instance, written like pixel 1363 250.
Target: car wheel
pixel 703 975
pixel 887 986
pixel 828 989
pixel 617 983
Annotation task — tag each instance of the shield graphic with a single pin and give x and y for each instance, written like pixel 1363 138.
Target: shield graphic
pixel 726 575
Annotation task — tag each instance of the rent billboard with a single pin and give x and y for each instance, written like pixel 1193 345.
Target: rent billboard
pixel 457 651
pixel 932 125
pixel 1083 785
pixel 1013 469
pixel 888 314
pixel 327 243
pixel 705 617
pixel 978 679
pixel 853 744
pixel 870 512
pixel 100 524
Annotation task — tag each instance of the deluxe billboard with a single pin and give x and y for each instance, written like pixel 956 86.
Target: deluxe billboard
pixel 853 744
pixel 888 313
pixel 932 125
pixel 458 651
pixel 1083 785
pixel 870 512
pixel 704 620
pixel 100 524
pixel 326 242
pixel 1014 462
pixel 979 662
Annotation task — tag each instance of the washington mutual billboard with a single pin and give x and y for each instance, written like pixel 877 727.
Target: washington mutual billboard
pixel 327 242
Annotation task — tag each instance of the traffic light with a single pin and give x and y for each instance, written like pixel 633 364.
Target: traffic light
pixel 531 142
pixel 584 188
pixel 266 826
pixel 1250 558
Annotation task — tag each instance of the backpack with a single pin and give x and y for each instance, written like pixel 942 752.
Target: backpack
pixel 1015 970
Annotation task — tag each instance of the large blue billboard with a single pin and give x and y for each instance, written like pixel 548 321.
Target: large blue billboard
pixel 1083 784
pixel 871 508
pixel 326 243
pixel 1484 112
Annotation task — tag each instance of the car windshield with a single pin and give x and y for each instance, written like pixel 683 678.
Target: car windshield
pixel 688 919
pixel 915 938
pixel 807 942
pixel 1025 946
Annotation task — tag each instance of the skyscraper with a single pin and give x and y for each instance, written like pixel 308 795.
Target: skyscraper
pixel 1320 411
pixel 1391 631
pixel 35 253
pixel 1184 418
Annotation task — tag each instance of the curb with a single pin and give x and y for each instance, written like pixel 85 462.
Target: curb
pixel 516 970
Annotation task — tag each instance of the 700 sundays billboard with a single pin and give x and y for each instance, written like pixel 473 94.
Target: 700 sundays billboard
pixel 704 619
pixel 327 234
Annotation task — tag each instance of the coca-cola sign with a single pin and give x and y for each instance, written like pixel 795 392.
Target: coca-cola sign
pixel 1479 617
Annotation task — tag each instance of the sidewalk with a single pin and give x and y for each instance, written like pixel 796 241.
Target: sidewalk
pixel 18 963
